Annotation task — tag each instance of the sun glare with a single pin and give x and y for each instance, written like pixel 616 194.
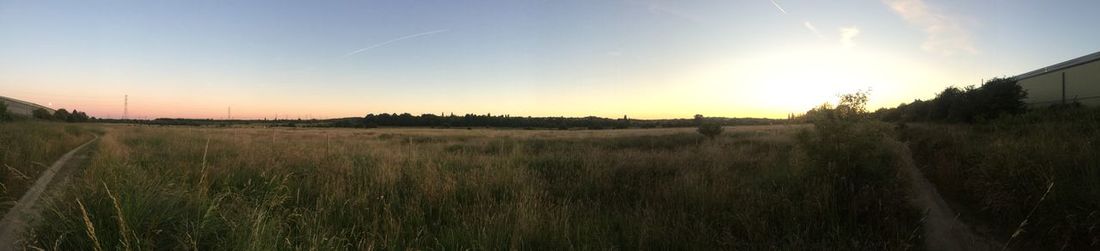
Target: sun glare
pixel 776 83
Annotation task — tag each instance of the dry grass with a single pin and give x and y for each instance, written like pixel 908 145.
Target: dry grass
pixel 280 189
pixel 1033 179
pixel 27 149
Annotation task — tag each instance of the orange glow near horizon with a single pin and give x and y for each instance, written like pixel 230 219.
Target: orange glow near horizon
pixel 646 60
pixel 770 84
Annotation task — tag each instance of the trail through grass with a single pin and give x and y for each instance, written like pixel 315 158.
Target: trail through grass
pixel 25 211
pixel 26 150
pixel 290 189
pixel 998 174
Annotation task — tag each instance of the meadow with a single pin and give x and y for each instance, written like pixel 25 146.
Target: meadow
pixel 753 187
pixel 1033 179
pixel 27 149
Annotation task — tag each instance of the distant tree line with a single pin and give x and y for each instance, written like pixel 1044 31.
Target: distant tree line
pixel 507 121
pixel 995 98
pixel 61 115
pixel 463 121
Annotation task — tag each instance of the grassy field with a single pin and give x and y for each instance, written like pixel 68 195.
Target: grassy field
pixel 776 187
pixel 1033 180
pixel 27 149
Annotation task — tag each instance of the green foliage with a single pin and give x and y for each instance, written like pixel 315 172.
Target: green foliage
pixel 995 98
pixel 42 114
pixel 707 128
pixel 851 107
pixel 4 115
pixel 849 158
pixel 61 114
pixel 77 116
pixel 710 130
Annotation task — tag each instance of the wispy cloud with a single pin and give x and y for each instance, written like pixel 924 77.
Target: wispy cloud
pixel 778 7
pixel 946 35
pixel 848 35
pixel 365 49
pixel 809 26
pixel 812 28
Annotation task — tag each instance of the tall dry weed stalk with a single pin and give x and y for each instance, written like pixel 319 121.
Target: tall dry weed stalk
pixel 122 229
pixel 1020 229
pixel 89 226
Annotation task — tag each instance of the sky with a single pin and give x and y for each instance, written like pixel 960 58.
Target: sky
pixel 642 59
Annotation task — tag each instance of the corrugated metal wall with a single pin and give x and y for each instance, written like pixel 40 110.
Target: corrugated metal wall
pixel 1082 83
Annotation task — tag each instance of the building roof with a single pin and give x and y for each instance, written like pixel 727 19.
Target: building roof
pixel 22 107
pixel 1060 66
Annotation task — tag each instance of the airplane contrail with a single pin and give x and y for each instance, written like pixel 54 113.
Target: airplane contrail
pixel 811 27
pixel 778 7
pixel 364 49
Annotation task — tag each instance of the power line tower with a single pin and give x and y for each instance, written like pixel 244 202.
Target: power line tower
pixel 228 112
pixel 125 107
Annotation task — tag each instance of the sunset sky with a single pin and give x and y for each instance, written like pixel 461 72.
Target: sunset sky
pixel 644 59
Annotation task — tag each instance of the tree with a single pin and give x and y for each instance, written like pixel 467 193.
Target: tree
pixel 707 129
pixel 710 130
pixel 61 114
pixel 42 113
pixel 77 116
pixel 996 97
pixel 852 106
pixel 1001 96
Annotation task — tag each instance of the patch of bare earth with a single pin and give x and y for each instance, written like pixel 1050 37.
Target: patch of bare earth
pixel 942 228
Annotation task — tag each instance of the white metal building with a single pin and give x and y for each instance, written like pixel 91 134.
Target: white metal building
pixel 1074 80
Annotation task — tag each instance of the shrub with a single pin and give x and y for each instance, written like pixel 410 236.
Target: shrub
pixel 4 116
pixel 710 130
pixel 853 165
pixel 43 114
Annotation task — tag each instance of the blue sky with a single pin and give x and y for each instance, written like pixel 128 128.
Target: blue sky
pixel 646 59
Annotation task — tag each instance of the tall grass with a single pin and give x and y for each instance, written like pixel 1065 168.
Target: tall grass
pixel 27 149
pixel 999 172
pixel 284 189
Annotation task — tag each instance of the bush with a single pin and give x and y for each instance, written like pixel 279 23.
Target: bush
pixel 853 164
pixel 4 116
pixel 43 114
pixel 710 130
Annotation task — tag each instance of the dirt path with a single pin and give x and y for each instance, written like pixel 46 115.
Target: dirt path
pixel 25 210
pixel 942 229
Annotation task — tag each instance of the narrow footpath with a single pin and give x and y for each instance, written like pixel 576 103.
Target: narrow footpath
pixel 942 228
pixel 25 211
